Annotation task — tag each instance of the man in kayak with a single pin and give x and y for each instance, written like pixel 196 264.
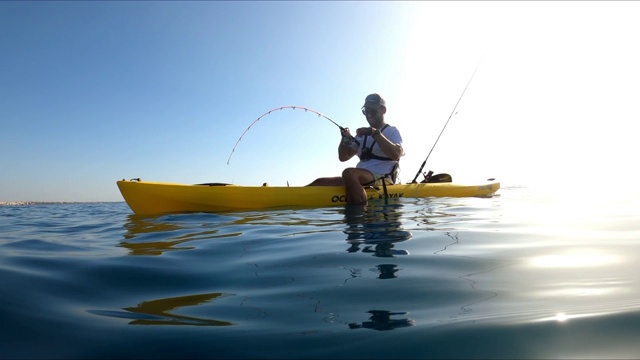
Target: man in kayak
pixel 379 148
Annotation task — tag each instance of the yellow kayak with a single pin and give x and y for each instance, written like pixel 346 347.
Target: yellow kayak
pixel 152 198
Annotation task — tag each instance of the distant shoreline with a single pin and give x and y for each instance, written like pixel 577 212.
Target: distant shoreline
pixel 26 203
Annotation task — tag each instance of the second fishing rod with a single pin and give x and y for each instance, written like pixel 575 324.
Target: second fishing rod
pixel 444 177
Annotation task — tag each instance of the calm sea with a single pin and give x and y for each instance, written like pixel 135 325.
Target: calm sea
pixel 525 274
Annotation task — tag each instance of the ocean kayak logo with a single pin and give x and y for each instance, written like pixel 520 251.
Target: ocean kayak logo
pixel 343 198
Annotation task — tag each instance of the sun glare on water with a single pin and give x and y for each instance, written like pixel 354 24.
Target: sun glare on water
pixel 576 259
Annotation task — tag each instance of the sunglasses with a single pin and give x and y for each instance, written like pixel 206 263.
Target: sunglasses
pixel 368 111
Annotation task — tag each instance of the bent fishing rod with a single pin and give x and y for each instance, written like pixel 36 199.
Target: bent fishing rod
pixel 277 109
pixel 445 126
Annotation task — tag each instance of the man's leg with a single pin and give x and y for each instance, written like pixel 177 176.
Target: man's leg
pixel 327 181
pixel 353 180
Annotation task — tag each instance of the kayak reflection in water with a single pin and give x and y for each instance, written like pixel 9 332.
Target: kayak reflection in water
pixel 379 147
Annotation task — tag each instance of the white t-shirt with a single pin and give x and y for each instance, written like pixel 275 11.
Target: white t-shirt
pixel 376 166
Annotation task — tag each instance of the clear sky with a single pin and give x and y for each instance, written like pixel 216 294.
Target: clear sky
pixel 93 92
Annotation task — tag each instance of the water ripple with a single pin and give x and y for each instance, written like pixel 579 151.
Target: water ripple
pixel 411 278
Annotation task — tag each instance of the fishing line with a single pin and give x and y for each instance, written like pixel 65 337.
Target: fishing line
pixel 277 109
pixel 453 112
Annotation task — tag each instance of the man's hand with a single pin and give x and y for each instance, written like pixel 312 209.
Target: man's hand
pixel 365 131
pixel 346 136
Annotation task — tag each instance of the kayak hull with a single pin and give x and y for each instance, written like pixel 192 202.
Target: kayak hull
pixel 152 198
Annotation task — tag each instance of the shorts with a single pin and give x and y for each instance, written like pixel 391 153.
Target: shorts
pixel 380 178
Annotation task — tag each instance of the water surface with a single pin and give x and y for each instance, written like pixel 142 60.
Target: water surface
pixel 519 275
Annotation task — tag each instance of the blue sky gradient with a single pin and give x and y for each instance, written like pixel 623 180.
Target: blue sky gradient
pixel 94 92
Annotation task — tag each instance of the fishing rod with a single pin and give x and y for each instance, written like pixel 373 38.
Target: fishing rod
pixel 277 109
pixel 445 126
